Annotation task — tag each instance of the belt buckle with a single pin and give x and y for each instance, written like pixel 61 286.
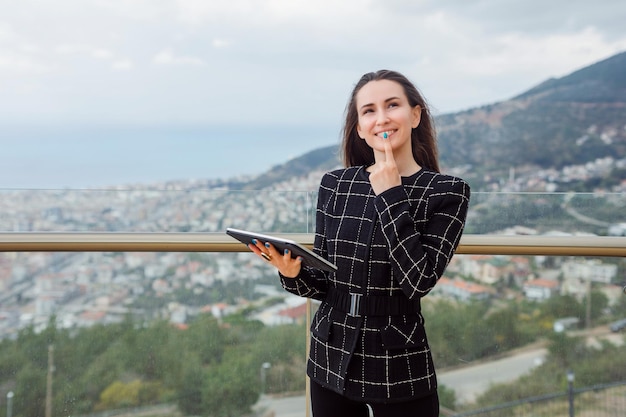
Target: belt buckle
pixel 355 303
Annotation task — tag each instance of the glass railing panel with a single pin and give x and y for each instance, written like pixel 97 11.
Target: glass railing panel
pixel 547 213
pixel 200 332
pixel 518 322
pixel 509 328
pixel 213 208
pixel 155 210
pixel 184 324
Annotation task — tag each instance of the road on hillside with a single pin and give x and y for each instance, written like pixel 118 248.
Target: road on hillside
pixel 468 382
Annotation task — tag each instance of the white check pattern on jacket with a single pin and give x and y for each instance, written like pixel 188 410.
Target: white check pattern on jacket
pixel 396 244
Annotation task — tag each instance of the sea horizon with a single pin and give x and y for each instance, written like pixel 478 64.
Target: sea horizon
pixel 87 157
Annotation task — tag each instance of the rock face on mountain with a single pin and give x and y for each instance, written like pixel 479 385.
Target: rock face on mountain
pixel 566 121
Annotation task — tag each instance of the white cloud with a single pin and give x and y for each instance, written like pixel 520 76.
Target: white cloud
pixel 511 54
pixel 7 33
pixel 220 43
pixel 17 56
pixel 167 57
pixel 67 49
pixel 101 53
pixel 289 60
pixel 266 13
pixel 138 10
pixel 84 49
pixel 122 65
pixel 19 64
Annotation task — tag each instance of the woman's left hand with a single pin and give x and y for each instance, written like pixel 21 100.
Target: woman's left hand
pixel 288 267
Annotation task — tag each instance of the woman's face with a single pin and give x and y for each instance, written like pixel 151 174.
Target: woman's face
pixel 383 107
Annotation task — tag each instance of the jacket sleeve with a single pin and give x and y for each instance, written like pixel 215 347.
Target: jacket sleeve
pixel 312 282
pixel 421 248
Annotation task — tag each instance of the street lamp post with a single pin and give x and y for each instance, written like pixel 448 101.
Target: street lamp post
pixel 264 368
pixel 9 403
pixel 570 391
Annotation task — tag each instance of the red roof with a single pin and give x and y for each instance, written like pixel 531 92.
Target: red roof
pixel 541 282
pixel 294 312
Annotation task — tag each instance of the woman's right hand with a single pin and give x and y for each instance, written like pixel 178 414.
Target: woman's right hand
pixel 287 266
pixel 385 174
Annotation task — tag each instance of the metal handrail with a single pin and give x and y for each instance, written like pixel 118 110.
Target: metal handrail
pixel 221 242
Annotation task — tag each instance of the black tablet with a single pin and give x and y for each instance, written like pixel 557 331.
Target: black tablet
pixel 309 258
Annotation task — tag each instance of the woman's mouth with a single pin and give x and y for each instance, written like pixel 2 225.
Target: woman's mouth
pixel 385 134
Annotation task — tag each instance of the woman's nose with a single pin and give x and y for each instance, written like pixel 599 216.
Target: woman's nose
pixel 382 118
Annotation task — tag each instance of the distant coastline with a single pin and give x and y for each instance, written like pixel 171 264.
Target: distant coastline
pixel 60 157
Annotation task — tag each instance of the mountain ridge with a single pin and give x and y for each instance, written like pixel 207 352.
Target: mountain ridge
pixel 566 121
pixel 608 72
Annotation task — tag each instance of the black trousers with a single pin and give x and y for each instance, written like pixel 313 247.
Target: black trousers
pixel 327 403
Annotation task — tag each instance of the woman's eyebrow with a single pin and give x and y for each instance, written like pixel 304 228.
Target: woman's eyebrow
pixel 386 101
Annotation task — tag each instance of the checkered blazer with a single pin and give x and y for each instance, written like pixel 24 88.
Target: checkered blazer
pixel 396 245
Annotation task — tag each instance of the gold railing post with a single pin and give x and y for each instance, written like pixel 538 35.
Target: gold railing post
pixel 309 317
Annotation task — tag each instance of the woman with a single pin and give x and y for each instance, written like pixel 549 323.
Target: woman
pixel 391 223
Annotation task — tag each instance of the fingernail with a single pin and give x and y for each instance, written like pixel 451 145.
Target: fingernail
pixel 385 135
pixel 254 241
pixel 300 258
pixel 267 244
pixel 286 251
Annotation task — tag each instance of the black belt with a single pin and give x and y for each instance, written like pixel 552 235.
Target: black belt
pixel 371 305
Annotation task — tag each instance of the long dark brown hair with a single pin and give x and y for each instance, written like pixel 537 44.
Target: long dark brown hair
pixel 423 138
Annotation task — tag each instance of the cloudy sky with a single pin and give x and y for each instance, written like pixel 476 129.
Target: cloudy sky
pixel 279 62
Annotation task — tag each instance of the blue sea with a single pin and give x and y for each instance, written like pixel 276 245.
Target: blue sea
pixel 79 157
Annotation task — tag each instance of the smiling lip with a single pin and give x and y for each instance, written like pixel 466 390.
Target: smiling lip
pixel 388 132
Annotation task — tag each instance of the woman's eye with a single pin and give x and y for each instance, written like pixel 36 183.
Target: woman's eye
pixel 392 104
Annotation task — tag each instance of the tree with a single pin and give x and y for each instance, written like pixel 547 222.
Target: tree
pixel 447 397
pixel 231 387
pixel 563 306
pixel 119 395
pixel 190 390
pixel 619 308
pixel 503 325
pixel 103 370
pixel 599 303
pixel 565 350
pixel 205 338
pixel 30 389
pixel 156 354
